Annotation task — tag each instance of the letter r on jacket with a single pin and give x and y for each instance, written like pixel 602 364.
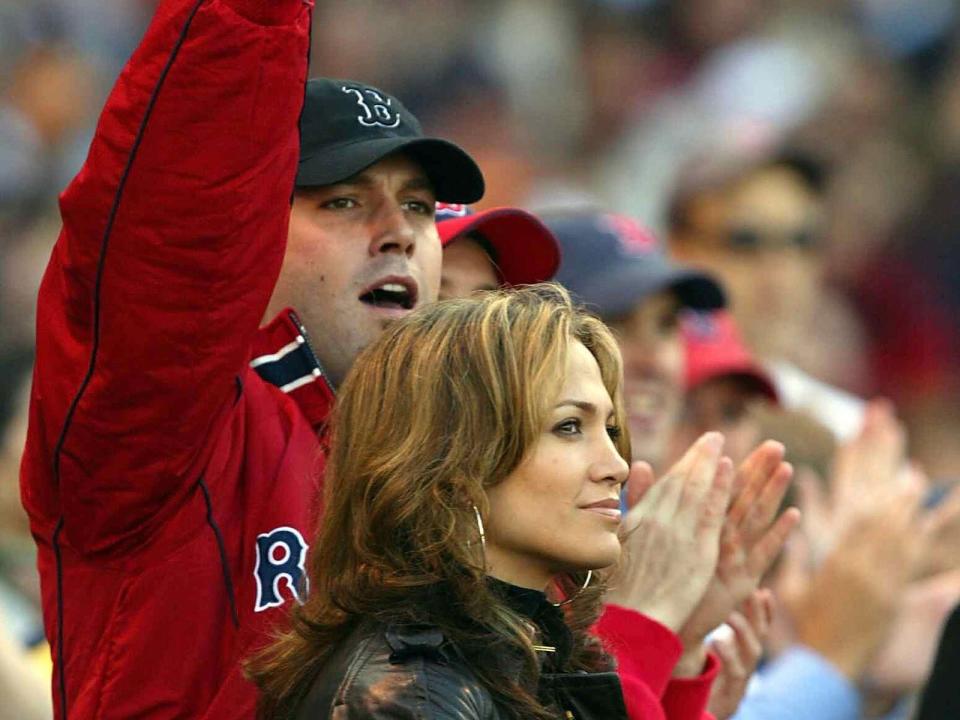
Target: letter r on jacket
pixel 281 554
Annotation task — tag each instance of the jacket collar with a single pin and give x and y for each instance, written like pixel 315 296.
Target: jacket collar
pixel 282 356
pixel 545 616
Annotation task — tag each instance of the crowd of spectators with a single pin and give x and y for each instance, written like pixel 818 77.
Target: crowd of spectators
pixel 807 153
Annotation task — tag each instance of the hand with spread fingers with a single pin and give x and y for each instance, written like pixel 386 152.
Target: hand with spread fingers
pixel 844 611
pixel 846 575
pixel 740 651
pixel 671 535
pixel 867 473
pixel 905 659
pixel 753 535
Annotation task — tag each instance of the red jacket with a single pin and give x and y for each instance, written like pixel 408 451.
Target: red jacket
pixel 170 481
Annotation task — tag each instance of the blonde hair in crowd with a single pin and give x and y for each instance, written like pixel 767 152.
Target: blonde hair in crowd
pixel 446 403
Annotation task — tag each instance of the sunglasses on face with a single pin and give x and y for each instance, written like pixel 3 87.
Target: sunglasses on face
pixel 747 239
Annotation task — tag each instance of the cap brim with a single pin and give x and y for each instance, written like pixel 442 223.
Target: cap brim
pixel 758 377
pixel 455 176
pixel 742 367
pixel 617 292
pixel 527 251
pixel 697 290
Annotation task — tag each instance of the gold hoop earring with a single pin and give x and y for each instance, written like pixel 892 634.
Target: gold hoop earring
pixel 483 536
pixel 577 593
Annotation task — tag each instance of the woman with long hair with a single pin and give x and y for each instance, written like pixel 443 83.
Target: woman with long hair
pixel 477 456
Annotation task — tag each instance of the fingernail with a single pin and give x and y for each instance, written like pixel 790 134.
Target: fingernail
pixel 713 441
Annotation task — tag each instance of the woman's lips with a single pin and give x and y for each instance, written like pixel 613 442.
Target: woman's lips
pixel 611 513
pixel 609 508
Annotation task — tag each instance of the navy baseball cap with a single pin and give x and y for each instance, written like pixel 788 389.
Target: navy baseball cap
pixel 611 263
pixel 346 127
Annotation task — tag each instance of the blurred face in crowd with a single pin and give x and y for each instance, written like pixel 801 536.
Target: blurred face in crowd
pixel 760 237
pixel 360 254
pixel 721 404
pixel 467 268
pixel 559 510
pixel 653 367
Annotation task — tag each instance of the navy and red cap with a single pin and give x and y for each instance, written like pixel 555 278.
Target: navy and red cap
pixel 523 249
pixel 715 349
pixel 611 263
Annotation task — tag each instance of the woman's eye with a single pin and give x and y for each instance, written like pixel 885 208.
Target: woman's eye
pixel 340 204
pixel 614 431
pixel 570 426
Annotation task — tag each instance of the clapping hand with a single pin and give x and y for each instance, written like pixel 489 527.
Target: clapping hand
pixel 753 535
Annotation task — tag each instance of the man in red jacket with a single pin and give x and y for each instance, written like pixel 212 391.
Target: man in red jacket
pixel 171 488
pixel 173 463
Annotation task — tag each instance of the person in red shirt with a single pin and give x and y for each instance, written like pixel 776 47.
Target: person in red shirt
pixel 173 456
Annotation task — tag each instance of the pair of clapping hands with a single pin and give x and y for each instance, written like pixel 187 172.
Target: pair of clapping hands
pixel 873 575
pixel 698 541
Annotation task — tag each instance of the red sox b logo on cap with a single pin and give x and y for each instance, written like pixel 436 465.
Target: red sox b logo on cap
pixel 700 325
pixel 632 236
pixel 376 110
pixel 446 211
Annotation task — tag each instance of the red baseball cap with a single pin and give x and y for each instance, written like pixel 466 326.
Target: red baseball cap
pixel 714 349
pixel 526 251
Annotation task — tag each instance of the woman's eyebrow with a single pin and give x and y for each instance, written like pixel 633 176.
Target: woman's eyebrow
pixel 588 407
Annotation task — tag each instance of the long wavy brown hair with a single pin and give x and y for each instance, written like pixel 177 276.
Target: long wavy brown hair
pixel 446 403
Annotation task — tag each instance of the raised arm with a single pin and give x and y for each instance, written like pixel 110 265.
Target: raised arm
pixel 173 234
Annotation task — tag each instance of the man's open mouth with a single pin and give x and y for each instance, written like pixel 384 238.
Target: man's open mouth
pixel 393 293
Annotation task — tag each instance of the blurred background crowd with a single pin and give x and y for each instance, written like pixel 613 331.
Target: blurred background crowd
pixel 806 152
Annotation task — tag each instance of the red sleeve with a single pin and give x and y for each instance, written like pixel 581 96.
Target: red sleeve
pixel 173 234
pixel 646 653
pixel 686 698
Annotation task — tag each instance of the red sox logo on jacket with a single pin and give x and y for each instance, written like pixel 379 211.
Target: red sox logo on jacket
pixel 281 554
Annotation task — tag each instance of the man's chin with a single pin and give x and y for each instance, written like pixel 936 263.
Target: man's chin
pixel 384 322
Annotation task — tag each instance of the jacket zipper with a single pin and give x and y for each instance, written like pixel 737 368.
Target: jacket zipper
pixel 313 356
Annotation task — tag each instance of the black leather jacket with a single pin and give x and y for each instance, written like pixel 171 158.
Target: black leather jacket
pixel 413 673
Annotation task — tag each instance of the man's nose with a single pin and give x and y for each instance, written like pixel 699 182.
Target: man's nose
pixel 392 231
